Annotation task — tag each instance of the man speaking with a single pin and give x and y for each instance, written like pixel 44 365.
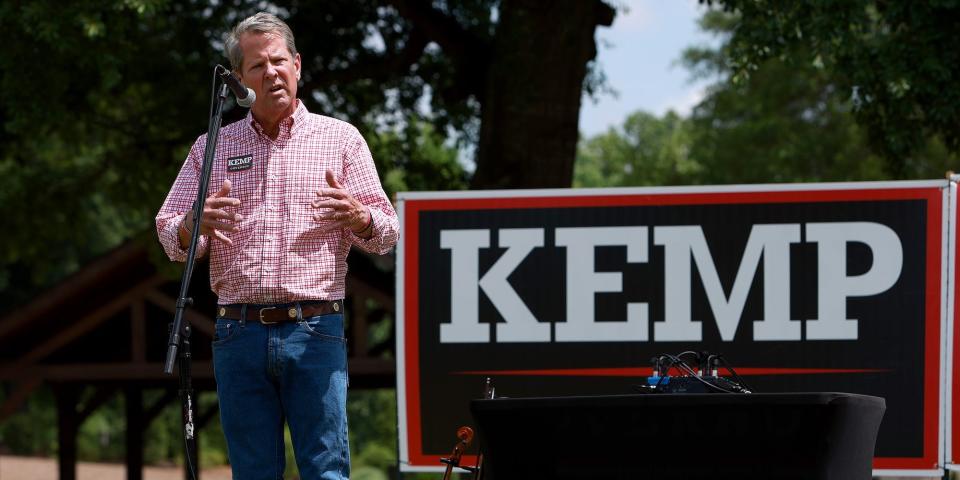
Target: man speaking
pixel 294 191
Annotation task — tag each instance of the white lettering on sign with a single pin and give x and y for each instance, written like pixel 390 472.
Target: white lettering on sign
pixel 583 282
pixel 521 325
pixel 465 245
pixel 682 243
pixel 465 326
pixel 684 247
pixel 834 286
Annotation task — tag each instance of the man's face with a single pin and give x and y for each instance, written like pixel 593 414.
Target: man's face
pixel 272 72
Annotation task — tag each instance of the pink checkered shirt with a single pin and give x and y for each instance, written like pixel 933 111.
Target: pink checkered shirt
pixel 280 254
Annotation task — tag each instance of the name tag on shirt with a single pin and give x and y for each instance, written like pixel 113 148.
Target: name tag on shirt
pixel 242 162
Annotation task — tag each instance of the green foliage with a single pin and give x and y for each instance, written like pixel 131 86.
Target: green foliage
pixel 100 100
pixel 784 122
pixel 646 151
pixel 95 121
pixel 291 472
pixel 101 435
pixel 33 430
pixel 163 442
pixel 897 62
pixel 415 158
pixel 373 429
pixel 163 438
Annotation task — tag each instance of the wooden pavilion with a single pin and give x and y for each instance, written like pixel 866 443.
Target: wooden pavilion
pixel 106 327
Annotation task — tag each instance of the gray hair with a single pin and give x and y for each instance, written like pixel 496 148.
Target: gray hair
pixel 262 22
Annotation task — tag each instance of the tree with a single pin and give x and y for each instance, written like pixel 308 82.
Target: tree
pixel 96 117
pixel 510 73
pixel 898 62
pixel 646 150
pixel 785 122
pixel 534 79
pixel 99 101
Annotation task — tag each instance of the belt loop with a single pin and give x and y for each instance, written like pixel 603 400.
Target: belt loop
pixel 299 312
pixel 243 314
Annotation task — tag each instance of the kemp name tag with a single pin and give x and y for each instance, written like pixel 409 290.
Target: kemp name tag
pixel 243 162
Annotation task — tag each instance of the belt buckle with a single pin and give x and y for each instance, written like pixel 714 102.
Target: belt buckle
pixel 261 315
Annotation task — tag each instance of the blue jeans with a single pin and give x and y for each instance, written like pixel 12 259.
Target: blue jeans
pixel 294 372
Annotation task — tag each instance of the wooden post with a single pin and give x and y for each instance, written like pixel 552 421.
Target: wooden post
pixel 358 323
pixel 138 334
pixel 135 426
pixel 67 424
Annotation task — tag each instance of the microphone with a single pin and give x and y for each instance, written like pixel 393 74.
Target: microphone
pixel 245 96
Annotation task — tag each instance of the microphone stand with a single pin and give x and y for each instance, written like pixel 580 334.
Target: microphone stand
pixel 179 340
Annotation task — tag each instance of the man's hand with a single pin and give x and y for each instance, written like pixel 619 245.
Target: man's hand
pixel 339 208
pixel 215 219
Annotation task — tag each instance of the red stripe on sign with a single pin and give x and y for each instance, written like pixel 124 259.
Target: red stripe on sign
pixel 931 367
pixel 646 371
pixel 662 199
pixel 411 336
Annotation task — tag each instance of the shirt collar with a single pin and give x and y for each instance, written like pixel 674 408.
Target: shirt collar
pixel 288 126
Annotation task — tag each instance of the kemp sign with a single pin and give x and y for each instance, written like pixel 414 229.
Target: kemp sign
pixel 828 287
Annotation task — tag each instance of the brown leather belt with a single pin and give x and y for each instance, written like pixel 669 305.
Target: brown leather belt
pixel 268 314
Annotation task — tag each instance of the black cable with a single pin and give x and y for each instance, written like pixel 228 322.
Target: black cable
pixel 675 361
pixel 684 367
pixel 693 373
pixel 186 446
pixel 712 385
pixel 664 373
pixel 741 383
pixel 711 365
pixel 696 355
pixel 213 91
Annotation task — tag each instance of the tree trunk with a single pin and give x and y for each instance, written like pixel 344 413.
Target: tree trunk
pixel 531 105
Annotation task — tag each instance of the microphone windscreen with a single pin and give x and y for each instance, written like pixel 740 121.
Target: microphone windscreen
pixel 247 101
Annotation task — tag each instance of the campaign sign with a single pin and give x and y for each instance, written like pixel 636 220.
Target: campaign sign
pixel 802 288
pixel 953 339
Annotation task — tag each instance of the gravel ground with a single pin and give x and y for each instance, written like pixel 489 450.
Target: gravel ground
pixel 33 468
